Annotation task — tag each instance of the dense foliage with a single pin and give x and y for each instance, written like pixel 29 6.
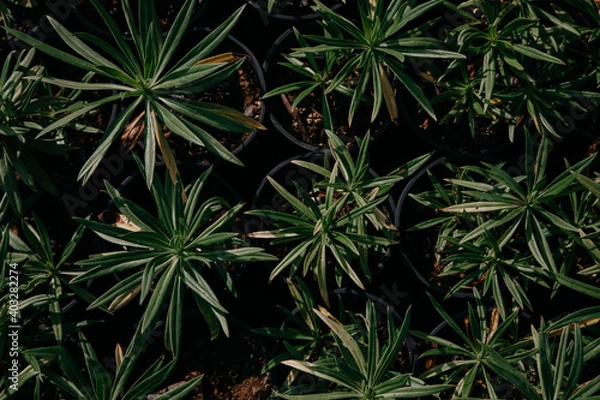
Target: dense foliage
pixel 512 243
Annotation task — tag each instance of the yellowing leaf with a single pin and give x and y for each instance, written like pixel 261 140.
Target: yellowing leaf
pixel 228 58
pixel 123 299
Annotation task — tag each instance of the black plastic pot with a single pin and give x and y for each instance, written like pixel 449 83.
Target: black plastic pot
pixel 278 75
pixel 407 215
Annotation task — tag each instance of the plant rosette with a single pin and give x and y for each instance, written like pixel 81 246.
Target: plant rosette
pixel 154 83
pixel 335 221
pixel 470 349
pixel 185 244
pixel 512 76
pixel 363 363
pixel 241 92
pixel 304 124
pixel 502 232
pixel 292 176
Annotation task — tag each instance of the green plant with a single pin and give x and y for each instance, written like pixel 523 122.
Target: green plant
pixel 585 208
pixel 498 40
pixel 326 233
pixel 26 109
pixel 40 266
pixel 332 230
pixel 562 353
pixel 460 89
pixel 377 49
pixel 468 360
pixel 157 85
pixel 519 65
pixel 502 222
pixel 549 96
pixel 169 253
pixel 316 76
pixel 482 262
pixel 70 380
pixel 364 367
pixel 6 14
pixel 582 18
pixel 355 178
pixel 37 295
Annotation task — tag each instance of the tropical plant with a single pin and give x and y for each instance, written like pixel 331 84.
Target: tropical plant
pixel 364 368
pixel 356 178
pixel 333 228
pixel 460 89
pixel 26 109
pixel 548 97
pixel 327 234
pixel 157 86
pixel 168 253
pixel 39 265
pixel 466 361
pixel 512 223
pixel 58 366
pixel 562 353
pixel 504 272
pixel 377 50
pixel 499 40
pixel 37 295
pixel 519 66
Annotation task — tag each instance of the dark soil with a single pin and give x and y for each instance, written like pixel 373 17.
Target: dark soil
pixel 231 369
pixel 459 139
pixel 305 122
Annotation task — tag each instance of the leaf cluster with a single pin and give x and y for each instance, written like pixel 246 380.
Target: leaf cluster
pixel 363 369
pixel 336 222
pixel 369 54
pixel 169 253
pixel 503 229
pixel 27 106
pixel 521 64
pixel 490 354
pixel 157 84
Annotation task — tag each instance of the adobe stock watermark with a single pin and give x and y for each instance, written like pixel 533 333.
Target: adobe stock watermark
pixel 13 326
pixel 60 10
